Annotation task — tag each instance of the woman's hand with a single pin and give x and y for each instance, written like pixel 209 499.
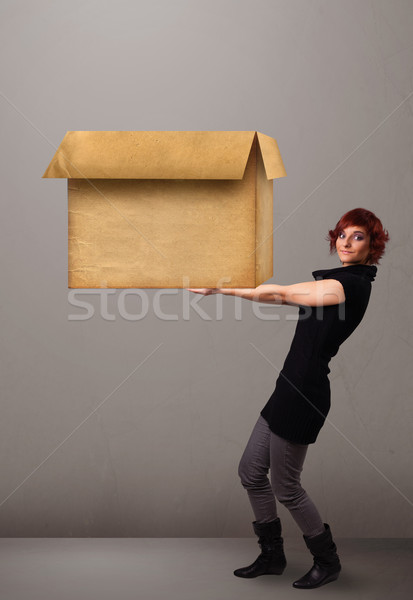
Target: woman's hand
pixel 204 291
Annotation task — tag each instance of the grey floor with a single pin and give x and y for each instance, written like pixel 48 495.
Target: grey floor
pixel 191 569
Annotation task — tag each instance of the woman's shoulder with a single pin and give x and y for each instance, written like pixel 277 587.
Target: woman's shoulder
pixel 355 279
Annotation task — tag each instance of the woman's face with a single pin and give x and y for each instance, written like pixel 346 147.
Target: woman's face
pixel 353 245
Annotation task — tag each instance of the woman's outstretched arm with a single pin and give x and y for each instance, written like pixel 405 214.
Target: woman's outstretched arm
pixel 258 294
pixel 308 293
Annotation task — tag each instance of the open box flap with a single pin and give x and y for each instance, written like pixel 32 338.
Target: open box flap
pixel 160 155
pixel 271 156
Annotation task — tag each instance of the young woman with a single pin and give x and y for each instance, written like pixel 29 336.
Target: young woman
pixel 330 309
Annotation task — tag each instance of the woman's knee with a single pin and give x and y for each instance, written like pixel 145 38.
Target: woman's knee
pixel 244 473
pixel 251 476
pixel 288 493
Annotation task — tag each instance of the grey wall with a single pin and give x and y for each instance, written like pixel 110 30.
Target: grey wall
pixel 133 425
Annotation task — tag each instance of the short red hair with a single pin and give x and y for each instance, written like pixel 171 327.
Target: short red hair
pixel 372 224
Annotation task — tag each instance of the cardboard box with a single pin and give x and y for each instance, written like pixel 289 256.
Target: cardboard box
pixel 168 209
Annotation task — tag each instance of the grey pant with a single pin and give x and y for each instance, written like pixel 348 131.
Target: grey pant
pixel 264 451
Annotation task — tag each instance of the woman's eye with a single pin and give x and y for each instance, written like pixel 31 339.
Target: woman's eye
pixel 357 236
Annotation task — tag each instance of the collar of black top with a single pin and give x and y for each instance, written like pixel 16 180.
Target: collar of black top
pixel 366 271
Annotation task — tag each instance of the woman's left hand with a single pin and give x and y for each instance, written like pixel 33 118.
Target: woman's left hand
pixel 204 291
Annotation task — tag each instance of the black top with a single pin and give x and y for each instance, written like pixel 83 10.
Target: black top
pixel 299 404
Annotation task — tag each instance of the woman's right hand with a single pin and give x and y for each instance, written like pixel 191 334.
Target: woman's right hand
pixel 204 291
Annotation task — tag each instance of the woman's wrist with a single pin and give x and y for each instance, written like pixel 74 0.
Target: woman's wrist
pixel 258 294
pixel 246 293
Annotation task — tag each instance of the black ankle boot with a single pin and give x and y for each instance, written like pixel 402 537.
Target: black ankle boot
pixel 326 566
pixel 272 560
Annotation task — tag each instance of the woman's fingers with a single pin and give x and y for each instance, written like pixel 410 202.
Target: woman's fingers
pixel 204 291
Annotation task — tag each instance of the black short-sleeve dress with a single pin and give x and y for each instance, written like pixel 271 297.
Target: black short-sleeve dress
pixel 299 404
